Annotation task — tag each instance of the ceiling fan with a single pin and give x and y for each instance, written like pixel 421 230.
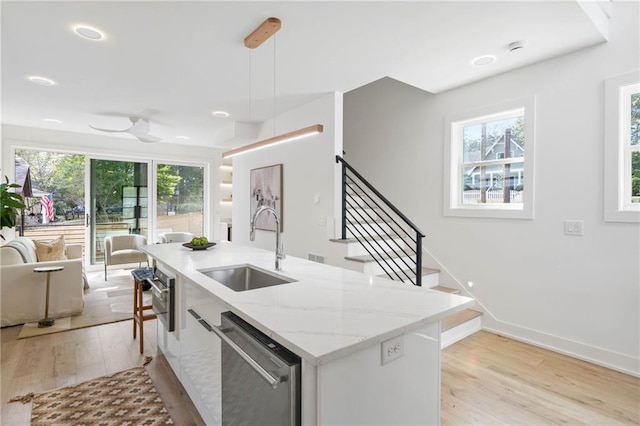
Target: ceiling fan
pixel 139 128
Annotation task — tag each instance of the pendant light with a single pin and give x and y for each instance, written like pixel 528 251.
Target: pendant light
pixel 263 32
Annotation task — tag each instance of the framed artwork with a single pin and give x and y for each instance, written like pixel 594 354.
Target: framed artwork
pixel 266 190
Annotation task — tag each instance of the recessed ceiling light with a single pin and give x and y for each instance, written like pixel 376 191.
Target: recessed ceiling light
pixel 484 60
pixel 52 120
pixel 183 137
pixel 221 114
pixel 89 33
pixel 43 81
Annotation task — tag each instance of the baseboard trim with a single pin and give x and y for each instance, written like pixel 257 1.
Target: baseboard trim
pixel 603 357
pixel 595 355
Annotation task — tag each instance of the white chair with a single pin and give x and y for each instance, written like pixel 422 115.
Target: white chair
pixel 175 237
pixel 121 249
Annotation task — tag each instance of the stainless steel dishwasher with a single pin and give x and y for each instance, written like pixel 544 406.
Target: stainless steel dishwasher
pixel 260 378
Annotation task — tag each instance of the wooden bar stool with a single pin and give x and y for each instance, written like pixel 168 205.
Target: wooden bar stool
pixel 140 276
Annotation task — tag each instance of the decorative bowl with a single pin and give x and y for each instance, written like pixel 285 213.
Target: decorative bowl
pixel 192 247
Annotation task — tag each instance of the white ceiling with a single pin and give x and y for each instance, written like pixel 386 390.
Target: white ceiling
pixel 176 62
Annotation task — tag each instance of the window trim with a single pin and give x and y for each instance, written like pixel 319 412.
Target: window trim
pixel 452 182
pixel 616 152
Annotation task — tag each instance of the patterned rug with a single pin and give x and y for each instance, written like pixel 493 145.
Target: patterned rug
pixel 104 302
pixel 124 398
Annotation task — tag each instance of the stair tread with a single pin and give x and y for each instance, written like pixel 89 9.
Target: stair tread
pixel 425 271
pixel 445 289
pixel 458 318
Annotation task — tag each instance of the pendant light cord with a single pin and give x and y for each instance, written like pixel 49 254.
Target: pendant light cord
pixel 274 85
pixel 250 93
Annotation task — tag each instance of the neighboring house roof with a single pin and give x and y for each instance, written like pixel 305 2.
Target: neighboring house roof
pixel 475 155
pixel 23 177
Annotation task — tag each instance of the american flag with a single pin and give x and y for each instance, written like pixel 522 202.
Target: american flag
pixel 47 206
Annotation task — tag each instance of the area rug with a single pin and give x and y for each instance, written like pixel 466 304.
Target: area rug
pixel 104 302
pixel 124 398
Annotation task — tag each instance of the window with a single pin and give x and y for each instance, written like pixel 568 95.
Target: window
pixel 622 148
pixel 180 198
pixel 489 169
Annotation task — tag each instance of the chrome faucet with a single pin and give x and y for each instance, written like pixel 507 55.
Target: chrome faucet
pixel 252 234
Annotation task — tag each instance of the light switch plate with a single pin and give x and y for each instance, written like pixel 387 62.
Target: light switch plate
pixel 574 227
pixel 392 349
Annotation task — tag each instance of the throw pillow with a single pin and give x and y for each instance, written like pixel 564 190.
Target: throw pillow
pixel 50 250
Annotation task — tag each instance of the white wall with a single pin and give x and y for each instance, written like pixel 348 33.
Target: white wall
pixel 578 295
pixel 309 175
pixel 118 148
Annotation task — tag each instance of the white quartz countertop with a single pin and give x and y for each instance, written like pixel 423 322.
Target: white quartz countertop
pixel 327 313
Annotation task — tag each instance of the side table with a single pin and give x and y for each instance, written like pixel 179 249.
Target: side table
pixel 47 322
pixel 140 276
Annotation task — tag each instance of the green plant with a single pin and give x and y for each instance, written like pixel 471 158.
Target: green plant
pixel 10 204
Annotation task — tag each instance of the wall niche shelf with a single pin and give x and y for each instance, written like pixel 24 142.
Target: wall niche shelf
pixel 226 184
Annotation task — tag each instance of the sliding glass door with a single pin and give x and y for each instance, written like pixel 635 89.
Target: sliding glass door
pixel 86 198
pixel 180 199
pixel 117 204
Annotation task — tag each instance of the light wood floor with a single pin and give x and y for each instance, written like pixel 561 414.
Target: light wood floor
pixel 486 379
pixel 42 363
pixel 489 379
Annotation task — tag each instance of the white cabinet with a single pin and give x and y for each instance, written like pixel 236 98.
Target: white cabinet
pixel 200 351
pixel 359 389
pixel 169 345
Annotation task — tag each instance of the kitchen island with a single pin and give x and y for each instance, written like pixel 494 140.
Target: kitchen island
pixel 339 322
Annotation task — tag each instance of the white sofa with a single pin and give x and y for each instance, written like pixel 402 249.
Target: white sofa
pixel 22 291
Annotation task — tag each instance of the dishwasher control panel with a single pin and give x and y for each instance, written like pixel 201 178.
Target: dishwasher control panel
pixel 271 345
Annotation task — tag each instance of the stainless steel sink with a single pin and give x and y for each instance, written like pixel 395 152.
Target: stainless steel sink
pixel 245 277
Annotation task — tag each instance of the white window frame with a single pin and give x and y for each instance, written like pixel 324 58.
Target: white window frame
pixel 617 149
pixel 453 205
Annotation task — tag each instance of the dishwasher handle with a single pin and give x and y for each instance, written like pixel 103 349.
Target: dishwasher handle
pixel 220 332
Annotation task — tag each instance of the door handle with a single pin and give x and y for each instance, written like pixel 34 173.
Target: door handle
pixel 87 218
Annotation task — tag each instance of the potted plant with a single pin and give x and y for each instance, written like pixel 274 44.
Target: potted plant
pixel 10 205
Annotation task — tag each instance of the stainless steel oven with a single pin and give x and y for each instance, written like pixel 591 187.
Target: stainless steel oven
pixel 163 298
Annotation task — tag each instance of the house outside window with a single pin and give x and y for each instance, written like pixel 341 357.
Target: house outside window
pixel 622 148
pixel 489 169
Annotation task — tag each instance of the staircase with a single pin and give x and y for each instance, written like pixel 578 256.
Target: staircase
pixel 377 239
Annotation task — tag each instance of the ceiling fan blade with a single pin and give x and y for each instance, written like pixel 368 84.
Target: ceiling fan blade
pixel 148 138
pixel 139 128
pixel 110 130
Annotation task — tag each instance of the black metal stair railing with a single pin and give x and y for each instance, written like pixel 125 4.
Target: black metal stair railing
pixel 389 237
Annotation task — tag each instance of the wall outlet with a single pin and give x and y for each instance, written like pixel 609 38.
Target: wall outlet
pixel 392 349
pixel 574 227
